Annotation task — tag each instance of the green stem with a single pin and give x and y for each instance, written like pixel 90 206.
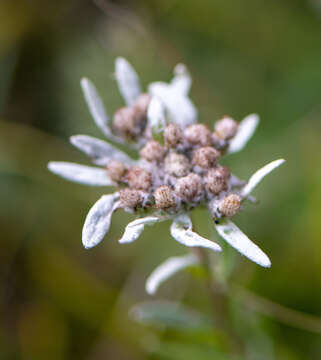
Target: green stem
pixel 220 302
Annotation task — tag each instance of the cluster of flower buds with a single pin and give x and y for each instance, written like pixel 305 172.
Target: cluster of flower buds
pixel 177 170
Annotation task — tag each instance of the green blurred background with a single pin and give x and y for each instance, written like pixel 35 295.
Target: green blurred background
pixel 59 301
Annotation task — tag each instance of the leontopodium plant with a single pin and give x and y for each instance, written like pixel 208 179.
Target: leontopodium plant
pixel 177 169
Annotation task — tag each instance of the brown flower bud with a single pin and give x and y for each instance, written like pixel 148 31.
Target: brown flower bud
pixel 188 187
pixel 173 135
pixel 176 164
pixel 141 104
pixel 116 170
pixel 226 128
pixel 198 134
pixel 164 197
pixel 125 122
pixel 216 179
pixel 152 151
pixel 206 157
pixel 230 205
pixel 139 178
pixel 130 198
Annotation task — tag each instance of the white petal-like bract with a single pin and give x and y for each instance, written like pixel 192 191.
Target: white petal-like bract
pixel 181 232
pixel 97 222
pixel 180 108
pixel 156 115
pixel 245 131
pixel 127 80
pixel 134 229
pixel 167 269
pixel 237 239
pixel 81 174
pixel 100 151
pixel 259 175
pixel 95 105
pixel 182 80
pixel 97 110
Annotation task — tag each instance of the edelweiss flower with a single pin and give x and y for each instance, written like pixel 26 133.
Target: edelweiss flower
pixel 177 170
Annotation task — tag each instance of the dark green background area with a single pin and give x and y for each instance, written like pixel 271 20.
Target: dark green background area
pixel 59 301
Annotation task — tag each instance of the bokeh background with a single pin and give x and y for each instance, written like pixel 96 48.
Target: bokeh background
pixel 59 301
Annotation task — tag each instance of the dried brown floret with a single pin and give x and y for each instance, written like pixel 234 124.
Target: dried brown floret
pixel 124 122
pixel 226 128
pixel 230 205
pixel 173 135
pixel 116 170
pixel 189 187
pixel 198 134
pixel 130 198
pixel 164 197
pixel 130 122
pixel 152 151
pixel 139 178
pixel 176 164
pixel 206 157
pixel 216 179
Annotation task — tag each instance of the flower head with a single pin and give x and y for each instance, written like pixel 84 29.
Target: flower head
pixel 177 170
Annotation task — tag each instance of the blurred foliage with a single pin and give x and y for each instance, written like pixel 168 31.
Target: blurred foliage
pixel 59 301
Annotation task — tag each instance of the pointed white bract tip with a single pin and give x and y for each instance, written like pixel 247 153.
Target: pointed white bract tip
pixel 121 64
pixel 254 118
pixel 237 239
pixel 54 166
pixel 87 247
pixel 98 150
pixel 267 263
pixel 81 174
pixel 131 234
pixel 150 291
pixel 251 121
pixel 88 89
pixel 95 105
pixel 73 139
pixel 245 131
pixel 135 228
pixel 167 269
pixel 257 177
pixel 120 60
pixel 180 69
pixel 127 80
pixel 84 82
